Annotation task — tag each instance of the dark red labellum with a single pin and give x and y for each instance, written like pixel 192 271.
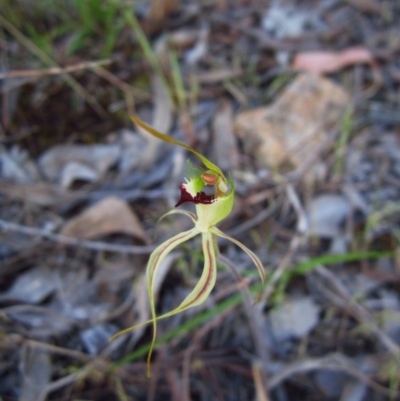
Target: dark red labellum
pixel 200 197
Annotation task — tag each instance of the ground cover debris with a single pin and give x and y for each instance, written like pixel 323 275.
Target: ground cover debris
pixel 298 101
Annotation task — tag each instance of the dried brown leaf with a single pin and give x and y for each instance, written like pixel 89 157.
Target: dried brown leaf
pixel 41 194
pixel 89 162
pixel 109 216
pixel 160 9
pixel 366 5
pixel 162 121
pixel 224 144
pixel 36 372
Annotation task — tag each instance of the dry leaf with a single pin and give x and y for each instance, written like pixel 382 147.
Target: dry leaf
pixel 16 166
pixel 109 216
pixel 366 5
pixel 224 142
pixel 97 159
pixel 75 171
pixel 31 287
pixel 41 194
pixel 160 9
pixel 162 117
pixel 162 121
pixel 35 366
pixel 199 50
pixel 323 62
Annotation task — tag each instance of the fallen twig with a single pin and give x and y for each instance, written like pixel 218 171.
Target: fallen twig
pixel 343 299
pixel 63 239
pixel 54 70
pixel 334 362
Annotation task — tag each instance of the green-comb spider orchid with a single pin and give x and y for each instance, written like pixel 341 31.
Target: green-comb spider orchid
pixel 210 210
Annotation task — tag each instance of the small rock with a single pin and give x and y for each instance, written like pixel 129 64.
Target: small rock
pixel 295 318
pixel 295 125
pixel 326 215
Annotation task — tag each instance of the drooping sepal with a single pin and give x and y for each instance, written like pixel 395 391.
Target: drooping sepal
pixel 251 254
pixel 153 266
pixel 191 215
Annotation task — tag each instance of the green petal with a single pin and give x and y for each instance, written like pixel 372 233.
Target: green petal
pixel 206 283
pixel 207 280
pixel 251 254
pixel 156 258
pixel 169 139
pixel 198 295
pixel 179 211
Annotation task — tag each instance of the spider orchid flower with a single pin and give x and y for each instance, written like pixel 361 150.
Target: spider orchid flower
pixel 210 210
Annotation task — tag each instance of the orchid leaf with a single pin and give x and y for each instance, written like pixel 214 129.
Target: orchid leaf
pixel 251 254
pixel 169 139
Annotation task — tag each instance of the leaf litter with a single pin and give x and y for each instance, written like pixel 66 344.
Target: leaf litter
pixel 81 192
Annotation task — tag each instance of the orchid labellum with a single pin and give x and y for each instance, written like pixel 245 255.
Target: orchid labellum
pixel 210 210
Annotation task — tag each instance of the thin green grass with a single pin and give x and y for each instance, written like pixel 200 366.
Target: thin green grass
pixel 309 265
pixel 378 217
pixel 85 21
pixel 342 143
pixel 177 78
pixel 130 18
pixel 97 18
pixel 174 85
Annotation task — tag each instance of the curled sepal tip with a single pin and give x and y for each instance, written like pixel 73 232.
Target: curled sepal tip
pixel 251 254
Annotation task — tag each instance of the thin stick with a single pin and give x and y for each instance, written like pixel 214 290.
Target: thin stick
pixel 63 239
pixel 344 300
pixel 54 70
pixel 51 348
pixel 333 362
pixel 123 86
